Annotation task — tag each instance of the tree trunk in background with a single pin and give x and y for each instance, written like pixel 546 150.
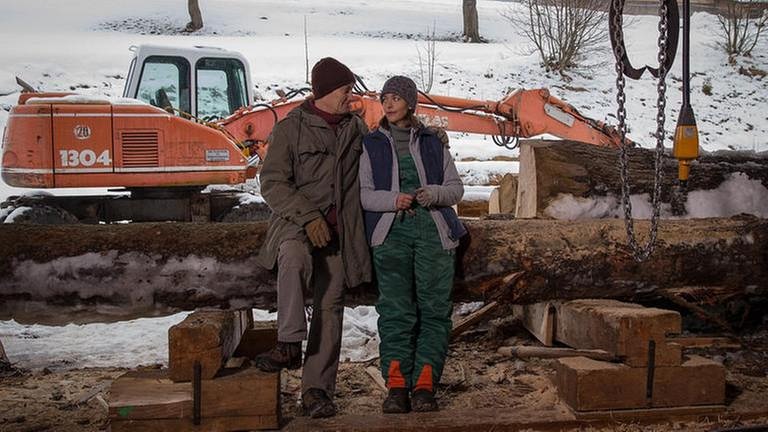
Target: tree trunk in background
pixel 471 26
pixel 551 168
pixel 81 273
pixel 195 17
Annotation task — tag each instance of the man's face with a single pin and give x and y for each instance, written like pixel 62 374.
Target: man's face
pixel 337 101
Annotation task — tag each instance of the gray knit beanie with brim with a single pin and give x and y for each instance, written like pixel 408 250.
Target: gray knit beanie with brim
pixel 403 87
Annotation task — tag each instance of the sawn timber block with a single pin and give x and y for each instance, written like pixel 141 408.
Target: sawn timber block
pixel 590 385
pixel 261 337
pixel 207 336
pixel 244 399
pixel 622 329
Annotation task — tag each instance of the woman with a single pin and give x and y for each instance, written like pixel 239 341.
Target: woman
pixel 408 184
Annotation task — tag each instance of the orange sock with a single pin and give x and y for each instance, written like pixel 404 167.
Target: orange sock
pixel 425 379
pixel 395 378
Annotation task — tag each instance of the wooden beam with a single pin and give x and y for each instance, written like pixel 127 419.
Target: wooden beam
pixel 620 328
pixel 207 336
pixel 238 400
pixel 261 337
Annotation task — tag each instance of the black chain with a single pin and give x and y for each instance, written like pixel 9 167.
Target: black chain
pixel 641 253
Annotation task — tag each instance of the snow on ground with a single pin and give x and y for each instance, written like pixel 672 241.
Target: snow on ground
pixel 144 341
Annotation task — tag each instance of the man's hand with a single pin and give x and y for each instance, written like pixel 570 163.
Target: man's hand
pixel 404 201
pixel 318 232
pixel 427 196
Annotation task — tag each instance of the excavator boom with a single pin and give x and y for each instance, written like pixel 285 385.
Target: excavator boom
pixel 522 114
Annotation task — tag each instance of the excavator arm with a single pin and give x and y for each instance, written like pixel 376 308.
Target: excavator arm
pixel 522 114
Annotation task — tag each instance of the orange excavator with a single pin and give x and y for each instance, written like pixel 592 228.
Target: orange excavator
pixel 186 120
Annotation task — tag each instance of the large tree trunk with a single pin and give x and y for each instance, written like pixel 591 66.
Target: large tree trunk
pixel 80 273
pixel 551 168
pixel 195 17
pixel 471 26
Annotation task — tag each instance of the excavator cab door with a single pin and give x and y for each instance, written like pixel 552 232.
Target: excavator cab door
pixel 164 82
pixel 203 82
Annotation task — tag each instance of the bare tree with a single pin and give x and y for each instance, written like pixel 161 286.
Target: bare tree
pixel 741 25
pixel 427 56
pixel 471 26
pixel 195 16
pixel 563 32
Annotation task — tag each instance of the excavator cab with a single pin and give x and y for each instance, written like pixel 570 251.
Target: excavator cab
pixel 202 82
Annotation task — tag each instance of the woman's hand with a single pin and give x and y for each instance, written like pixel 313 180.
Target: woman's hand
pixel 404 201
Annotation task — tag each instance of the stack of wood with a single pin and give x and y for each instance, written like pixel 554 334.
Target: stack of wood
pixel 648 369
pixel 209 385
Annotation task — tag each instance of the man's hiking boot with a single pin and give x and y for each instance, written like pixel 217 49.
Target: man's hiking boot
pixel 423 401
pixel 397 402
pixel 285 355
pixel 317 404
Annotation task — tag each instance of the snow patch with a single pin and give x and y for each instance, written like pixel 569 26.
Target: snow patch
pixel 738 194
pixel 18 211
pixel 477 193
pixel 85 99
pixel 485 172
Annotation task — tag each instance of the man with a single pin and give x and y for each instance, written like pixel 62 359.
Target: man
pixel 316 235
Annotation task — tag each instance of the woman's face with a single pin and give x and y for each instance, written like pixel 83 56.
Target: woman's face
pixel 395 107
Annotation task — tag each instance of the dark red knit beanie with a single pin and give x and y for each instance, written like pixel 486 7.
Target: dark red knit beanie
pixel 328 74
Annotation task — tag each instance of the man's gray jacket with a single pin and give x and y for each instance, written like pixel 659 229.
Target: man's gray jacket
pixel 308 168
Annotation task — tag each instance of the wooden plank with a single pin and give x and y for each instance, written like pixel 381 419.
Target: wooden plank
pixel 522 351
pixel 539 319
pixel 218 424
pixel 526 196
pixel 207 336
pixel 475 317
pixel 636 415
pixel 151 395
pixel 375 375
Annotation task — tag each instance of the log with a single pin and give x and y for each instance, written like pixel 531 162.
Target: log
pixel 551 168
pixel 87 273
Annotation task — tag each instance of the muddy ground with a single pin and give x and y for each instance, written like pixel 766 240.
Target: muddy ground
pixel 475 377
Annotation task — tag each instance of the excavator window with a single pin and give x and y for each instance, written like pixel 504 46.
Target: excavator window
pixel 220 87
pixel 167 76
